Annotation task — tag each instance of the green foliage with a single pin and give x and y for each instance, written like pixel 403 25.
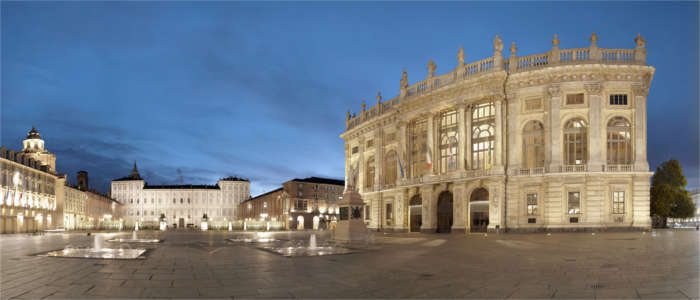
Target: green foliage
pixel 668 195
pixel 661 200
pixel 683 207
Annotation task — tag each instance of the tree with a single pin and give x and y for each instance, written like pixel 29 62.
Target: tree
pixel 668 195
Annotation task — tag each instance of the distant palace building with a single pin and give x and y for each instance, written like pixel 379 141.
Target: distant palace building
pixel 553 141
pixel 298 204
pixel 182 205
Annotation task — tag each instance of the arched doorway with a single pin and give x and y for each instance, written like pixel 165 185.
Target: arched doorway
pixel 444 212
pixel 479 210
pixel 300 223
pixel 416 211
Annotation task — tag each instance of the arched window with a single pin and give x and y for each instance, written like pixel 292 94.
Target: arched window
pixel 575 142
pixel 533 145
pixel 448 141
pixel 390 162
pixel 483 135
pixel 369 173
pixel 619 142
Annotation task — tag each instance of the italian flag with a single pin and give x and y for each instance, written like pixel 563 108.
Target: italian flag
pixel 428 160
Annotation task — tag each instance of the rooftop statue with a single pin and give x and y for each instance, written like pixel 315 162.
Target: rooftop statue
pixel 460 56
pixel 404 78
pixel 431 68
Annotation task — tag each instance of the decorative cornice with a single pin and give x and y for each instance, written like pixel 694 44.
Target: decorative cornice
pixel 593 88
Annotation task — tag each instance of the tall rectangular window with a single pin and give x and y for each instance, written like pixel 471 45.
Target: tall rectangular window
pixel 574 203
pixel 418 146
pixel 531 204
pixel 618 205
pixel 483 135
pixel 448 141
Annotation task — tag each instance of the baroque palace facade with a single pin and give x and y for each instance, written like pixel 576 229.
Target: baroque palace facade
pixel 182 205
pixel 553 141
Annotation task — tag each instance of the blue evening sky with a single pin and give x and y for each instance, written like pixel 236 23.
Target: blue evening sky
pixel 260 90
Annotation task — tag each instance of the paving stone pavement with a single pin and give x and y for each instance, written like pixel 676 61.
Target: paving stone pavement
pixel 205 265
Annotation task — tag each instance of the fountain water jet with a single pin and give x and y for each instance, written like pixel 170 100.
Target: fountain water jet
pixel 312 242
pixel 99 241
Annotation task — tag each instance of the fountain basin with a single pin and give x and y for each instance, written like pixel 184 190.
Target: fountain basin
pixel 306 251
pixel 103 253
pixel 134 240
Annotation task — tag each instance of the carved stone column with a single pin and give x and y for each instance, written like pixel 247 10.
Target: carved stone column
pixel 553 129
pixel 468 137
pixel 461 131
pixel 431 142
pixel 458 208
pixel 640 127
pixel 595 117
pixel 428 204
pixel 361 165
pixel 512 132
pixel 498 147
pixel 378 174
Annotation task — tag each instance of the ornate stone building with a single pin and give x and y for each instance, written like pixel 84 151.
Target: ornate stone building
pixel 182 205
pixel 552 141
pixel 30 190
pixel 84 208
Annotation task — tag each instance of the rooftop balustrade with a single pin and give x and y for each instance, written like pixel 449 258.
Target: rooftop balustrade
pixel 512 65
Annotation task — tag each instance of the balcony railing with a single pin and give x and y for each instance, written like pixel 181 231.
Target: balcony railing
pixel 514 64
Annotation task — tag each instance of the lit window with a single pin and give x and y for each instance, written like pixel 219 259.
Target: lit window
pixel 369 173
pixel 533 145
pixel 390 168
pixel 618 206
pixel 574 203
pixel 531 204
pixel 367 210
pixel 619 142
pixel 575 142
pixel 448 141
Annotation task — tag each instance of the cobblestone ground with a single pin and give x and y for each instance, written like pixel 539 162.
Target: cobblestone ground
pixel 663 264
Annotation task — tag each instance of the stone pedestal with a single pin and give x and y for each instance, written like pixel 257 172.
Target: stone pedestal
pixel 351 228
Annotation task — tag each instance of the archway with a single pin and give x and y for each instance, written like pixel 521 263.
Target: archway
pixel 416 211
pixel 479 210
pixel 300 223
pixel 444 212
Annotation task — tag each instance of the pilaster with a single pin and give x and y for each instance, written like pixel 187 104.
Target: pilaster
pixel 458 208
pixel 640 127
pixel 428 219
pixel 553 128
pixel 468 138
pixel 595 148
pixel 461 131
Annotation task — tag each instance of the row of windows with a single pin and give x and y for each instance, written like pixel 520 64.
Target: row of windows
pixel 575 146
pixel 615 99
pixel 574 203
pixel 182 201
pixel 197 212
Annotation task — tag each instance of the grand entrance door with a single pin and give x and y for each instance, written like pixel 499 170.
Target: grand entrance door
pixel 444 211
pixel 479 210
pixel 181 223
pixel 416 212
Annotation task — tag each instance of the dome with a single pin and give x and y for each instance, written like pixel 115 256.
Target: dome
pixel 33 134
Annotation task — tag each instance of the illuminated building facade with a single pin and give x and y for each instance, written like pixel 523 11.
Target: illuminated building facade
pixel 29 199
pixel 182 205
pixel 88 209
pixel 298 204
pixel 553 141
